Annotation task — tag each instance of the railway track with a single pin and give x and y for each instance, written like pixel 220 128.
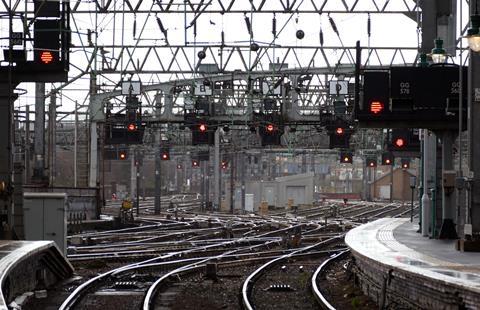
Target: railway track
pixel 162 262
pixel 271 285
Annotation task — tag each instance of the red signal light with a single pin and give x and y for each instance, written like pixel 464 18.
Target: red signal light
pixel 339 131
pixel 399 142
pixel 46 57
pixel 372 164
pixel 165 156
pixel 387 161
pixel 202 127
pixel 195 163
pixel 376 107
pixel 270 128
pixel 123 156
pixel 131 127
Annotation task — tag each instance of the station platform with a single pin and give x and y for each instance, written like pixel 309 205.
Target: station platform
pixel 27 266
pixel 396 266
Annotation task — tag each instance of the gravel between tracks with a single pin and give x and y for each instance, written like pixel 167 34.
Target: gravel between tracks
pixel 338 288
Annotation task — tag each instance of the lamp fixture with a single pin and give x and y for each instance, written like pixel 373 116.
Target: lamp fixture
pixel 473 33
pixel 423 60
pixel 438 52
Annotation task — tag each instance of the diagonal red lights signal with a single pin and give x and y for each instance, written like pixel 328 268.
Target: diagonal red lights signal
pixel 376 107
pixel 46 57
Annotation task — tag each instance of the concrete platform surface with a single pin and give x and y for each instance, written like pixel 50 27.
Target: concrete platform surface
pixel 394 242
pixel 14 253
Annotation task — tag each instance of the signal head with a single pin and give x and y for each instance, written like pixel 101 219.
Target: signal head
pixel 131 127
pixel 270 128
pixel 46 57
pixel 371 162
pixel 399 142
pixel 339 131
pixel 405 163
pixel 202 127
pixel 376 107
pixel 346 158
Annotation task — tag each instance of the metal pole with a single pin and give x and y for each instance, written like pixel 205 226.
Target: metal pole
pixel 242 172
pixel 411 206
pixel 158 176
pixel 216 189
pixel 27 144
pixel 52 137
pixel 447 230
pixel 75 147
pixel 473 228
pixel 391 180
pixel 39 134
pixel 137 180
pixel 132 174
pixel 232 180
pixel 202 184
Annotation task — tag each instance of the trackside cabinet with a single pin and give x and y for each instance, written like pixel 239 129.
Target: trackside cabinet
pixel 45 218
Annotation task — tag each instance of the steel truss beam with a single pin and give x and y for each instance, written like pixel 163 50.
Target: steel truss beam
pixel 241 6
pixel 229 59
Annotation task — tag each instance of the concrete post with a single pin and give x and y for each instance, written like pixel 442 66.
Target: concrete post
pixel 93 175
pixel 93 171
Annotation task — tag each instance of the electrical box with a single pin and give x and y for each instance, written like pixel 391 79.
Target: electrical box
pixel 44 218
pixel 449 178
pixel 249 202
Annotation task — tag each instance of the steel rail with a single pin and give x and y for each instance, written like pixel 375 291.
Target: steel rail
pixel 248 283
pixel 316 291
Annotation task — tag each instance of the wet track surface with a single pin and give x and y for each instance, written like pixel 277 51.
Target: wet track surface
pixel 189 259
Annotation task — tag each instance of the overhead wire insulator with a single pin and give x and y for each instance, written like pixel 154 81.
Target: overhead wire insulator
pixel 222 34
pixel 89 37
pixel 134 26
pixel 321 37
pixel 162 29
pixel 274 25
pixel 160 25
pixel 248 24
pixel 332 23
pixel 369 26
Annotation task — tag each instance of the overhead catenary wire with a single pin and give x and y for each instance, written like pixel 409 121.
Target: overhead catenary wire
pixel 335 29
